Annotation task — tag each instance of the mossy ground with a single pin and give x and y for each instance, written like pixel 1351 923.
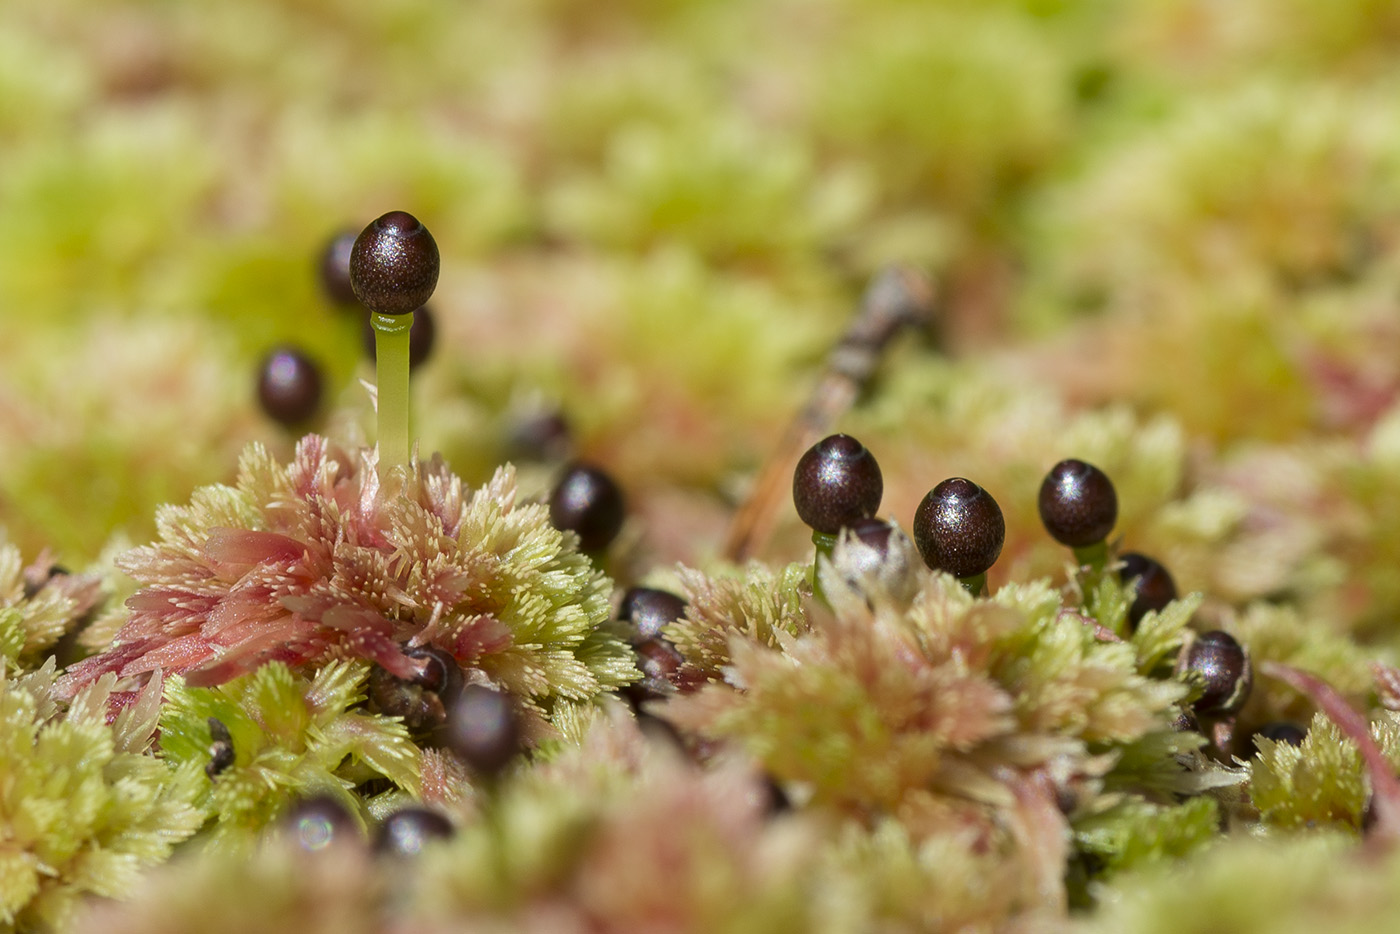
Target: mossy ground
pixel 1165 239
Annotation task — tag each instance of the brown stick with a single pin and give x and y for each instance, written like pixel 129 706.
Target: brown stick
pixel 896 298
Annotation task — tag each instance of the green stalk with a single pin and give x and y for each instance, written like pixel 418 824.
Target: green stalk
pixel 975 584
pixel 1092 560
pixel 1094 557
pixel 391 373
pixel 825 545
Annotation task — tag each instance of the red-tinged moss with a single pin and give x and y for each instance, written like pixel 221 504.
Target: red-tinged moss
pixel 316 560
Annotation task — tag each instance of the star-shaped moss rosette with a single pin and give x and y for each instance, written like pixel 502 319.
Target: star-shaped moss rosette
pixel 83 808
pixel 273 736
pixel 318 560
pixel 39 603
pixel 618 833
pixel 1017 714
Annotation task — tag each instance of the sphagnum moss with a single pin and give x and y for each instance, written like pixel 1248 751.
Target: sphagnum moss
pixel 608 180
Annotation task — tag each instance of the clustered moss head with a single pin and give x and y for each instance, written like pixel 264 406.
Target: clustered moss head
pixel 86 807
pixel 276 735
pixel 318 560
pixel 367 699
pixel 40 604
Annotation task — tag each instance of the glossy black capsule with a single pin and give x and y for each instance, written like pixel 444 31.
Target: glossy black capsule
pixel 423 702
pixel 334 269
pixel 959 528
pixel 1282 732
pixel 317 822
pixel 289 386
pixel 484 729
pixel 406 832
pixel 422 335
pixel 35 578
pixel 874 533
pixel 542 435
pixel 1153 587
pixel 394 264
pixel 648 610
pixel 868 562
pixel 1222 666
pixel 589 502
pixel 1078 504
pixel 659 662
pixel 836 482
pixel 221 753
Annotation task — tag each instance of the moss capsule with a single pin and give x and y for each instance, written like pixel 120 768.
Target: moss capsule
pixel 317 822
pixel 1078 504
pixel 289 386
pixel 648 610
pixel 423 702
pixel 394 264
pixel 959 528
pixel 590 503
pixel 837 482
pixel 1152 585
pixel 484 729
pixel 1222 666
pixel 407 831
pixel 1282 731
pixel 334 269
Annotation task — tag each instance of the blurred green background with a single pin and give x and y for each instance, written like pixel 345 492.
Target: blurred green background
pixel 1165 232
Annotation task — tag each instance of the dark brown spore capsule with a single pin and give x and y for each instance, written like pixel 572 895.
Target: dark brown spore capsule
pixel 876 534
pixel 423 702
pixel 1153 587
pixel 659 659
pixel 772 798
pixel 289 386
pixel 1282 732
pixel 36 579
pixel 660 731
pixel 1223 668
pixel 317 822
pixel 407 831
pixel 542 435
pixel 394 264
pixel 220 749
pixel 1078 504
pixel 959 528
pixel 335 269
pixel 836 482
pixel 648 610
pixel 873 532
pixel 422 335
pixel 1185 721
pixel 660 662
pixel 587 501
pixel 484 729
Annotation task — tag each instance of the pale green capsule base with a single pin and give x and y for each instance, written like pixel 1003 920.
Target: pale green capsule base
pixel 391 373
pixel 976 584
pixel 1093 560
pixel 826 544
